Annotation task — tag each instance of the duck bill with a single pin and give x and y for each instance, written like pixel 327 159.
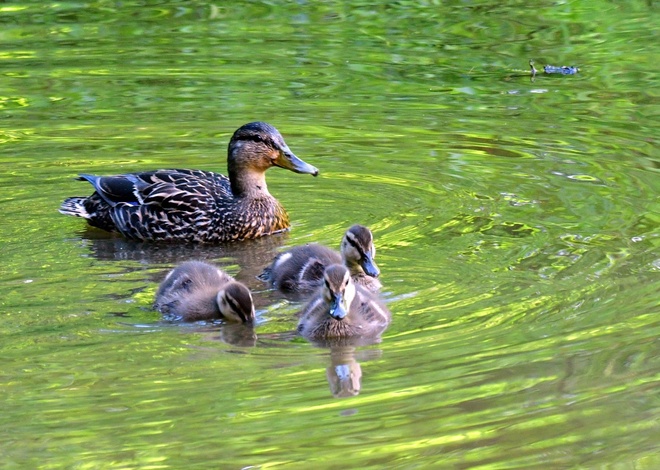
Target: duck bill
pixel 369 266
pixel 337 309
pixel 248 317
pixel 289 161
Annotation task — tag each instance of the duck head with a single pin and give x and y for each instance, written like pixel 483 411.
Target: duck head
pixel 358 250
pixel 338 290
pixel 235 302
pixel 258 145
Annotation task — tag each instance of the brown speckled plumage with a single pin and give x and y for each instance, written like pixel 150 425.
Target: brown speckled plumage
pixel 195 205
pixel 341 309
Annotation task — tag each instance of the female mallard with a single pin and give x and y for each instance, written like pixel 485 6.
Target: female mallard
pixel 196 205
pixel 199 291
pixel 301 268
pixel 340 309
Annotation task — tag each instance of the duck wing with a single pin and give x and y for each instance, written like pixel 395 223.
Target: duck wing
pixel 183 190
pixel 163 204
pixel 160 187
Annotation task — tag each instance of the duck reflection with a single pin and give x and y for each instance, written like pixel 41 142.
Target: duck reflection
pixel 234 334
pixel 249 255
pixel 344 373
pixel 242 335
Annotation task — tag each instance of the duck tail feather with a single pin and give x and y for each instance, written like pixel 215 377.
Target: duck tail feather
pixel 75 206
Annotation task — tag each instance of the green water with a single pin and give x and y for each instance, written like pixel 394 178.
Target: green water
pixel 517 225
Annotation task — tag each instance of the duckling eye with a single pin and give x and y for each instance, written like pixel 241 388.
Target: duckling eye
pixel 356 246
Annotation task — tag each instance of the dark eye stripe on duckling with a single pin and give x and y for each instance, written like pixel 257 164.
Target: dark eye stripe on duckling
pixel 347 280
pixel 355 245
pixel 234 306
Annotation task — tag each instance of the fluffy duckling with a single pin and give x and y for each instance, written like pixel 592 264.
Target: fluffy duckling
pixel 301 268
pixel 195 205
pixel 340 309
pixel 199 291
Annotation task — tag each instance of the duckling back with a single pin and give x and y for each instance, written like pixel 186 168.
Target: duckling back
pixel 199 291
pixel 301 268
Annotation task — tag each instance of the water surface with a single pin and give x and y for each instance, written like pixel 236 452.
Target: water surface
pixel 516 222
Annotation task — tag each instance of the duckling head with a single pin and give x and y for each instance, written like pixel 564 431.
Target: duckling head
pixel 358 250
pixel 338 290
pixel 258 146
pixel 235 302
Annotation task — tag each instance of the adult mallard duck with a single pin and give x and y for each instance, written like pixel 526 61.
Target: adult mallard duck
pixel 195 290
pixel 196 205
pixel 300 269
pixel 340 309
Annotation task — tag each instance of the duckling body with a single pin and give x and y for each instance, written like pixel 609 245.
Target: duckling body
pixel 300 269
pixel 195 291
pixel 196 205
pixel 341 309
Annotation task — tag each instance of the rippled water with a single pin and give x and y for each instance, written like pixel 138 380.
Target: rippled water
pixel 516 221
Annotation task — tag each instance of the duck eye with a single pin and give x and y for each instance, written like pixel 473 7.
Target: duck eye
pixel 259 139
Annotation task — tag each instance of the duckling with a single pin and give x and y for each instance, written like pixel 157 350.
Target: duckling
pixel 340 309
pixel 195 291
pixel 301 268
pixel 195 205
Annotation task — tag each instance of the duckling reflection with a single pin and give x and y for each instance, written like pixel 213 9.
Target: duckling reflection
pixel 341 310
pixel 235 334
pixel 344 373
pixel 300 269
pixel 196 290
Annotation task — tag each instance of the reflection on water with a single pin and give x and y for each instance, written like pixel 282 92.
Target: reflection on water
pixel 233 334
pixel 344 376
pixel 250 256
pixel 344 372
pixel 516 226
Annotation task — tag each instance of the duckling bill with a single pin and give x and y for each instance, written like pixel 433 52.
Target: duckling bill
pixel 341 309
pixel 195 205
pixel 195 291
